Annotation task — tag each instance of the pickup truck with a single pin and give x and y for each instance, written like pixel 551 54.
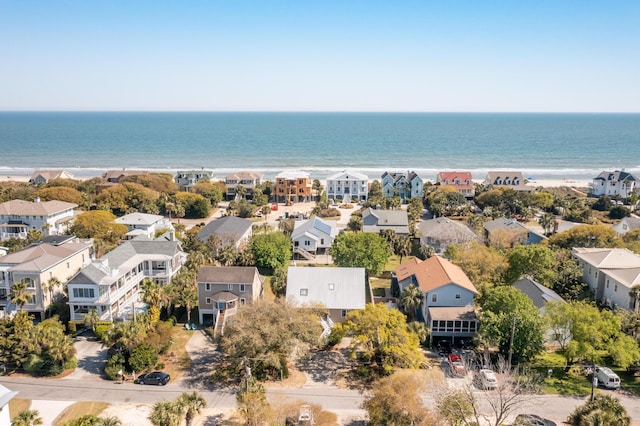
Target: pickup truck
pixel 456 365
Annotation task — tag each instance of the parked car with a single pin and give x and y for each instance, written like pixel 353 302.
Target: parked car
pixel 607 378
pixel 488 379
pixel 456 365
pixel 156 378
pixel 532 420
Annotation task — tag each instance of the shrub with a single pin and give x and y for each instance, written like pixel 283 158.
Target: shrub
pixel 102 330
pixel 143 357
pixel 71 363
pixel 619 212
pixel 34 365
pixel 71 328
pixel 114 364
pixel 336 335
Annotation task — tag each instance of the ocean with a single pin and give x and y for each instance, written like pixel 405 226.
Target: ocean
pixel 542 146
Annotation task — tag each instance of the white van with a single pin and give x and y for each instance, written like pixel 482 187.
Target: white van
pixel 607 378
pixel 488 379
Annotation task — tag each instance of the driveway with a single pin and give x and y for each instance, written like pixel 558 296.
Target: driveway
pixel 91 357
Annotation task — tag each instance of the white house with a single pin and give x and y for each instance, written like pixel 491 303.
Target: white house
pixel 627 224
pixel 5 396
pixel 448 294
pixel 144 224
pixel 112 284
pixel 313 236
pixel 340 290
pixel 18 217
pixel 348 186
pixel 404 185
pixel 613 275
pixel 617 183
pixel 36 265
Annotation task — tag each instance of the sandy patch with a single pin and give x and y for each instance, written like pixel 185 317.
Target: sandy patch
pixel 130 414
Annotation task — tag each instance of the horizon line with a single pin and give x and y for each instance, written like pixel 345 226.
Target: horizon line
pixel 310 111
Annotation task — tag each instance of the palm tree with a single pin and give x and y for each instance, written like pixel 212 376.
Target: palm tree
pixel 547 221
pixel 27 418
pixel 402 246
pixel 50 286
pixel 61 348
pixel 91 319
pixel 151 293
pixel 19 294
pixel 426 251
pixel 166 413
pixel 108 421
pixel 411 299
pixel 192 404
pixel 188 298
pixel 603 410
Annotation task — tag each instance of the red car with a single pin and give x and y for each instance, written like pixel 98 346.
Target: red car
pixel 456 365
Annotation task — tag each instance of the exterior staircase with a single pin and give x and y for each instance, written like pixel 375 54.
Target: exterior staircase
pixel 302 252
pixel 327 325
pixel 220 321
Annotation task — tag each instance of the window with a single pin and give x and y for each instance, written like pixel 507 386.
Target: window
pixel 434 298
pixel 243 288
pixel 458 296
pixel 243 300
pixel 307 242
pixel 207 300
pixel 29 282
pixel 332 286
pixel 230 287
pixel 83 292
pixel 207 286
pixel 304 292
pixel 343 313
pixel 321 240
pixel 615 288
pixel 68 265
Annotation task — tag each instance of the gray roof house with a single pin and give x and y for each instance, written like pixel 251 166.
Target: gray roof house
pixel 18 217
pixel 112 284
pixel 540 296
pixel 614 183
pixel 519 234
pixel 339 289
pixel 230 229
pixel 44 176
pixel 377 220
pixel 510 179
pixel 313 236
pixel 186 179
pixel 404 185
pixel 441 232
pixel 627 224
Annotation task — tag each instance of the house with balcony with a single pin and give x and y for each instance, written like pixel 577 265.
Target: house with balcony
pixel 186 179
pixel 144 224
pixel 448 295
pixel 460 181
pixel 441 232
pixel 340 290
pixel 612 274
pixel 245 181
pixel 230 230
pixel 293 187
pixel 376 220
pixel 404 185
pixel 40 264
pixel 348 186
pixel 112 284
pixel 614 184
pixel 510 179
pixel 221 289
pixel 43 176
pixel 312 237
pixel 18 217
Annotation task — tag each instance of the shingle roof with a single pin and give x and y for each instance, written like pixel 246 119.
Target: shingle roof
pixel 228 274
pixel 539 294
pixel 450 177
pixel 244 176
pixel 376 220
pixel 434 273
pixel 504 223
pixel 445 229
pixel 336 288
pixel 616 176
pixel 227 226
pixel 608 258
pixel 42 208
pixel 42 256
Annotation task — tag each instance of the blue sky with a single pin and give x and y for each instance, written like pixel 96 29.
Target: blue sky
pixel 454 56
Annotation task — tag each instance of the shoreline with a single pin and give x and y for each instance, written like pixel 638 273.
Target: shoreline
pixel 22 177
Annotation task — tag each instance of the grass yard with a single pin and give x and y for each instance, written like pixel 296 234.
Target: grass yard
pixel 80 409
pixel 18 405
pixel 176 360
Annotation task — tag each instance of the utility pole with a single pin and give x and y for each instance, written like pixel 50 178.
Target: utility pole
pixel 513 331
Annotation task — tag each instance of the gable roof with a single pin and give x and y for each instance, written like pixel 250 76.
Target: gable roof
pixel 504 223
pixel 348 175
pixel 445 229
pixel 629 277
pixel 228 274
pixel 48 175
pixel 41 208
pixel 139 219
pixel 397 176
pixel 608 258
pixel 615 176
pixel 452 176
pixel 315 226
pixel 336 288
pixel 630 222
pixel 376 220
pixel 434 273
pixel 539 294
pixel 225 226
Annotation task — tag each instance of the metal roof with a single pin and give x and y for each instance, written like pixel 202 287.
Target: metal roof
pixel 335 288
